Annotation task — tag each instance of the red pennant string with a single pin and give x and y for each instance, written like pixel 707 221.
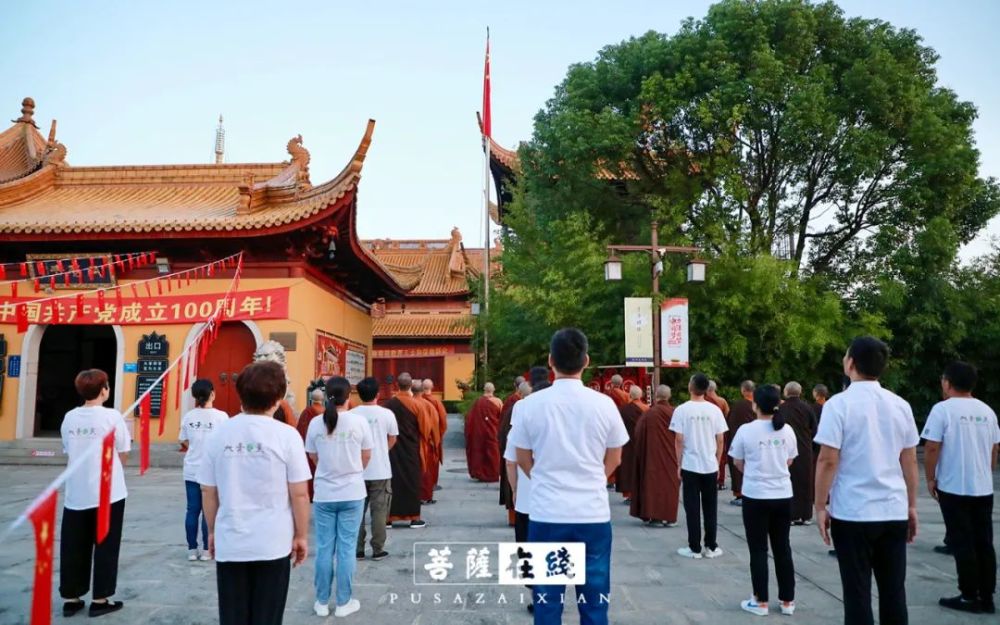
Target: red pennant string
pixel 148 292
pixel 100 300
pixel 104 501
pixel 118 297
pixel 145 410
pixel 59 266
pixel 22 318
pixel 90 271
pixel 79 304
pixel 163 402
pixel 13 290
pixel 75 264
pixel 177 391
pixel 3 273
pixel 135 292
pixel 187 274
pixel 40 266
pixel 131 262
pixel 187 372
pixel 170 284
pixel 43 517
pixel 210 269
pixel 38 285
pixel 66 279
pixel 159 287
pixel 24 270
pixel 52 282
pixel 79 276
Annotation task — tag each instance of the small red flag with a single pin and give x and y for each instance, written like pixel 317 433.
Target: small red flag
pixel 118 297
pixel 145 410
pixel 131 261
pixel 38 285
pixel 104 502
pixel 24 270
pixel 59 266
pixel 100 300
pixel 159 286
pixel 43 517
pixel 79 304
pixel 13 290
pixel 66 278
pixel 40 266
pixel 22 318
pixel 3 273
pixel 163 402
pixel 90 270
pixel 149 293
pixel 177 389
pixel 52 282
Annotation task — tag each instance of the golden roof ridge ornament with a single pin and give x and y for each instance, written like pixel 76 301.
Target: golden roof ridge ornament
pixel 27 113
pixel 300 156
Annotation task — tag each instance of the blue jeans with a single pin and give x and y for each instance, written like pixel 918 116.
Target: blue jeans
pixel 596 592
pixel 337 526
pixel 193 490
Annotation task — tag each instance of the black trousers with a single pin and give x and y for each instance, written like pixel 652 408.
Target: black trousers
pixel 79 552
pixel 765 519
pixel 968 522
pixel 701 496
pixel 864 548
pixel 520 527
pixel 253 593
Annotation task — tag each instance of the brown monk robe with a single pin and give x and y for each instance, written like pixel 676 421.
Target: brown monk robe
pixel 506 493
pixel 285 414
pixel 630 416
pixel 741 413
pixel 656 492
pixel 713 396
pixel 481 445
pixel 430 454
pixel 317 404
pixel 442 416
pixel 616 393
pixel 800 416
pixel 404 457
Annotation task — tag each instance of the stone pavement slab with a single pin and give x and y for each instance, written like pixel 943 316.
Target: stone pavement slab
pixel 650 583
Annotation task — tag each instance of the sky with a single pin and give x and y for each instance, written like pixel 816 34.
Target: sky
pixel 144 83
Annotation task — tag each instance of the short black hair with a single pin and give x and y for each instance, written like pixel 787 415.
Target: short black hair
pixel 961 375
pixel 569 350
pixel 870 356
pixel 201 390
pixel 699 383
pixel 368 389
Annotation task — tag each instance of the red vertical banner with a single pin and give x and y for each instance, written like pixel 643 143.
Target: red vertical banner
pixel 104 502
pixel 487 112
pixel 163 402
pixel 79 304
pixel 145 409
pixel 177 390
pixel 22 318
pixel 43 517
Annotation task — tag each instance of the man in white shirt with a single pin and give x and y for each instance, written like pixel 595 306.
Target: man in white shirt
pixel 867 469
pixel 700 426
pixel 568 441
pixel 961 452
pixel 378 473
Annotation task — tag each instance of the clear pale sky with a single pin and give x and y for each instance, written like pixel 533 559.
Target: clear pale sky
pixel 144 83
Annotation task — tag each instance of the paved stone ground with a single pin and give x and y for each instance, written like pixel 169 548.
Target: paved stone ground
pixel 650 583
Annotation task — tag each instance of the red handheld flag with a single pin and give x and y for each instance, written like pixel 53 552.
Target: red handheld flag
pixel 145 410
pixel 43 517
pixel 104 502
pixel 487 113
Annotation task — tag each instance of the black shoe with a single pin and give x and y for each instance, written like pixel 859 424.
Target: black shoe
pixel 100 609
pixel 418 524
pixel 531 608
pixel 429 502
pixel 798 523
pixel 437 487
pixel 380 555
pixel 360 555
pixel 70 608
pixel 722 487
pixel 627 501
pixel 961 604
pixel 987 607
pixel 944 550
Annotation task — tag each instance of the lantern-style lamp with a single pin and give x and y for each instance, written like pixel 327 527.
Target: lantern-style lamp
pixel 613 268
pixel 696 271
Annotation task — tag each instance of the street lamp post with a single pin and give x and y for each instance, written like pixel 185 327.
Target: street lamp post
pixel 613 272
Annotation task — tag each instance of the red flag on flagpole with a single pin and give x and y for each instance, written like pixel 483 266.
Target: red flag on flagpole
pixel 487 116
pixel 43 517
pixel 145 409
pixel 104 502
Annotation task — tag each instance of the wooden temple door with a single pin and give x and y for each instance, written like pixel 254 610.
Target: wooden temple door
pixel 231 351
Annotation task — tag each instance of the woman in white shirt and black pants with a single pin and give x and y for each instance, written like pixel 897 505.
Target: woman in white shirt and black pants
pixel 763 450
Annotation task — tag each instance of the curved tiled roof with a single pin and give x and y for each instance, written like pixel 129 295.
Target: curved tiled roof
pixel 21 150
pixel 428 267
pixel 423 326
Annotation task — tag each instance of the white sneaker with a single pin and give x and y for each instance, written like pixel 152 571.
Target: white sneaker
pixel 751 606
pixel 687 553
pixel 713 553
pixel 205 557
pixel 348 608
pixel 789 609
pixel 670 524
pixel 192 555
pixel 321 609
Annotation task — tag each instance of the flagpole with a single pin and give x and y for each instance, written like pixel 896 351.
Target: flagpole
pixel 487 136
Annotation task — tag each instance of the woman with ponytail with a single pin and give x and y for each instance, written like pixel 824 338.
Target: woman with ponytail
pixel 196 425
pixel 340 443
pixel 763 450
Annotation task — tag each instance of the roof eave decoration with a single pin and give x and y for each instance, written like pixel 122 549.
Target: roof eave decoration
pixel 287 186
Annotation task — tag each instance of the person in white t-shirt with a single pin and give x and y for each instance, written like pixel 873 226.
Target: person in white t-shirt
pixel 196 425
pixel 83 431
pixel 568 441
pixel 340 443
pixel 700 426
pixel 378 473
pixel 961 453
pixel 867 470
pixel 254 479
pixel 763 450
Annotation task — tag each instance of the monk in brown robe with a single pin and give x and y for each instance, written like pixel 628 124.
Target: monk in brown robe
pixel 630 416
pixel 506 493
pixel 800 416
pixel 740 414
pixel 657 487
pixel 481 428
pixel 430 451
pixel 317 404
pixel 404 457
pixel 713 396
pixel 442 415
pixel 617 393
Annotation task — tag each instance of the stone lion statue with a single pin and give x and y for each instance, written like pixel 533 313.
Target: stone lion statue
pixel 275 352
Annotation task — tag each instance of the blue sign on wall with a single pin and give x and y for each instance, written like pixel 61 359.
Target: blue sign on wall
pixel 14 367
pixel 131 367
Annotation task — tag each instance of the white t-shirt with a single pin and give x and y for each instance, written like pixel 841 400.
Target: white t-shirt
pixel 568 428
pixel 84 428
pixel 871 426
pixel 699 422
pixel 196 425
pixel 522 502
pixel 382 424
pixel 967 430
pixel 339 472
pixel 251 459
pixel 765 453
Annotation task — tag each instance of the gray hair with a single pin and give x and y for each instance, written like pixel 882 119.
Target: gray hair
pixel 524 389
pixel 822 391
pixel 663 392
pixel 617 380
pixel 748 386
pixel 317 396
pixel 518 381
pixel 712 386
pixel 404 381
pixel 635 392
pixel 793 389
pixel 489 388
pixel 428 384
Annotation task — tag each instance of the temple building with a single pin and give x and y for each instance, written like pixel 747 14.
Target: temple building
pixel 429 333
pixel 307 291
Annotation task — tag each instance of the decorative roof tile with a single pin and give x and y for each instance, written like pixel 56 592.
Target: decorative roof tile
pixel 412 325
pixel 439 267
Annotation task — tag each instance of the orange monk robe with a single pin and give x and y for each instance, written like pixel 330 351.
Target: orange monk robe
pixel 427 421
pixel 284 413
pixel 442 427
pixel 724 407
pixel 619 396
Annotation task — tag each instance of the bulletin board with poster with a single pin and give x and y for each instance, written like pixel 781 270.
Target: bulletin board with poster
pixel 339 356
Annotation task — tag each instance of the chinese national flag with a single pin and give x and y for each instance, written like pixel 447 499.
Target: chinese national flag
pixel 43 517
pixel 104 503
pixel 145 409
pixel 487 116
